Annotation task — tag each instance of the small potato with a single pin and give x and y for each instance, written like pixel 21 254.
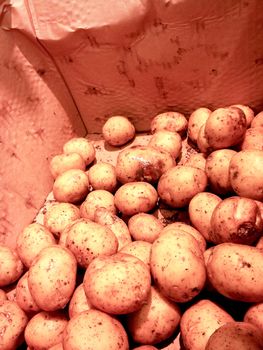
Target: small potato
pixel 144 227
pixel 45 329
pixel 168 141
pixel 118 130
pixel 59 215
pixel 139 249
pixel 95 200
pixel 13 321
pixel 24 298
pixel 236 336
pixel 156 321
pixel 71 186
pixel 253 139
pixel 225 127
pixel 81 146
pixel 3 296
pixel 63 162
pixel 94 329
pixel 249 113
pixel 170 121
pixel 135 197
pixel 257 121
pixel 11 266
pixel 246 174
pixel 31 241
pixel 178 185
pixel 235 271
pixel 78 302
pixel 196 160
pixel 52 278
pixel 254 315
pixel 102 176
pixel 202 141
pixel 108 288
pixel 196 120
pixel 217 170
pixel 200 321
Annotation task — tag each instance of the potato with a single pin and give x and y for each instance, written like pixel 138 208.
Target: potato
pixel 257 121
pixel 81 146
pixel 3 296
pixel 31 241
pixel 88 240
pixel 168 141
pixel 63 162
pixel 13 321
pixel 178 185
pixel 200 321
pixel 94 329
pixel 97 199
pixel 102 176
pixel 135 197
pixel 202 141
pixel 253 139
pixel 108 288
pixel 115 224
pixel 217 170
pixel 260 244
pixel 52 278
pixel 156 321
pixel 144 227
pixel 254 315
pixel 236 220
pixel 236 336
pixel 142 163
pixel 145 347
pixel 196 160
pixel 58 346
pixel 249 113
pixel 139 249
pixel 118 130
pixel 196 120
pixel 177 265
pixel 78 302
pixel 170 121
pixel 45 329
pixel 24 298
pixel 64 234
pixel 246 174
pixel 225 127
pixel 11 266
pixel 235 271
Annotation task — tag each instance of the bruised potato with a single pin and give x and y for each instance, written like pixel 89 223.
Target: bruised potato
pixel 118 130
pixel 144 227
pixel 78 302
pixel 168 141
pixel 196 120
pixel 63 162
pixel 97 199
pixel 102 176
pixel 170 121
pixel 11 266
pixel 81 146
pixel 139 249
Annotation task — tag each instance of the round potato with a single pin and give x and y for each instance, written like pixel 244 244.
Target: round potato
pixel 78 302
pixel 144 227
pixel 196 120
pixel 253 139
pixel 196 160
pixel 94 329
pixel 254 315
pixel 81 146
pixel 156 321
pixel 71 186
pixel 168 141
pixel 11 266
pixel 249 113
pixel 52 278
pixel 63 162
pixel 135 197
pixel 246 174
pixel 257 121
pixel 31 241
pixel 118 130
pixel 102 176
pixel 24 298
pixel 139 249
pixel 170 121
pixel 202 141
pixel 108 288
pixel 178 185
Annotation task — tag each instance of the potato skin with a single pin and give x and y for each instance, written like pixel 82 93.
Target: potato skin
pixel 139 249
pixel 196 160
pixel 81 146
pixel 145 347
pixel 78 302
pixel 167 141
pixel 196 120
pixel 102 176
pixel 235 271
pixel 253 139
pixel 24 298
pixel 257 121
pixel 118 130
pixel 254 315
pixel 144 227
pixel 249 113
pixel 11 266
pixel 170 121
pixel 97 199
pixel 62 162
pixel 202 141
pixel 3 296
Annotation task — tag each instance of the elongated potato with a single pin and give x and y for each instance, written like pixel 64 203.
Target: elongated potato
pixel 97 199
pixel 254 315
pixel 167 141
pixel 78 302
pixel 81 146
pixel 145 227
pixel 196 120
pixel 11 266
pixel 171 121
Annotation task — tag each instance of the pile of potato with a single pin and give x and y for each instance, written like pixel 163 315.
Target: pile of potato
pixel 106 271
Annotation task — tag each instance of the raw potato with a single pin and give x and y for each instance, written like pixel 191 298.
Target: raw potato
pixel 102 176
pixel 144 227
pixel 170 121
pixel 249 113
pixel 63 162
pixel 95 200
pixel 200 321
pixel 177 186
pixel 118 130
pixel 236 336
pixel 71 186
pixel 139 249
pixel 156 321
pixel 3 296
pixel 81 146
pixel 135 197
pixel 117 284
pixel 142 163
pixel 11 266
pixel 254 315
pixel 217 170
pixel 78 302
pixel 235 271
pixel 168 141
pixel 94 329
pixel 24 298
pixel 202 141
pixel 145 347
pixel 13 321
pixel 196 160
pixel 236 220
pixel 246 174
pixel 260 244
pixel 45 330
pixel 58 346
pixel 52 278
pixel 196 120
pixel 253 139
pixel 225 127
pixel 31 241
pixel 257 121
